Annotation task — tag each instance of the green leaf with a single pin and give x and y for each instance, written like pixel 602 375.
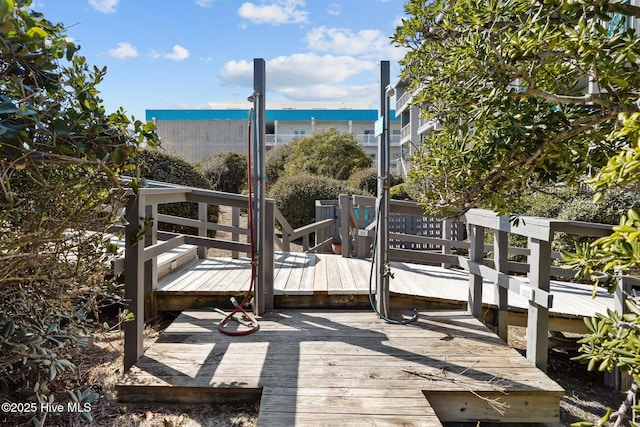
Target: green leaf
pixel 6 6
pixel 36 33
pixel 8 107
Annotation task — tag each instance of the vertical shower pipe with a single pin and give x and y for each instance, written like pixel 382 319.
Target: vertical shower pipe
pixel 382 214
pixel 259 83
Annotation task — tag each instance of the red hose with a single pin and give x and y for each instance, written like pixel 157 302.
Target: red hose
pixel 239 308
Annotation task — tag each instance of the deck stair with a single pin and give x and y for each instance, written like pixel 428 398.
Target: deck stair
pixel 326 280
pixel 348 368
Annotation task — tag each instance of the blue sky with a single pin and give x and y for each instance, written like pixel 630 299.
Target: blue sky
pixel 168 54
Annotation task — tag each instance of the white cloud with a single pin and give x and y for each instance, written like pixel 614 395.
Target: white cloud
pixel 334 93
pixel 274 12
pixel 178 54
pixel 335 9
pixel 124 50
pixel 204 3
pixel 154 54
pixel 297 71
pixel 104 6
pixel 341 41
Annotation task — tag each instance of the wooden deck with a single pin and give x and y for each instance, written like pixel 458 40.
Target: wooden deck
pixel 325 280
pixel 348 368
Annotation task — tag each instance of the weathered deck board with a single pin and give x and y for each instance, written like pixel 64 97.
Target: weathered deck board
pixel 299 274
pixel 315 367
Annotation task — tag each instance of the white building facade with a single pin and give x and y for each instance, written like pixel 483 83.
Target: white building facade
pixel 193 134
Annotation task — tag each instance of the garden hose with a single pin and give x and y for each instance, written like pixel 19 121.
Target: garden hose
pixel 246 319
pixel 414 317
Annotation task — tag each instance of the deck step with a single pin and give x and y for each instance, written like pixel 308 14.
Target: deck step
pixel 169 262
pixel 331 367
pixel 175 259
pixel 345 407
pixel 304 280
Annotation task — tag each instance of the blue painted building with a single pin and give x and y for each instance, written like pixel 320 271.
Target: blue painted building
pixel 193 134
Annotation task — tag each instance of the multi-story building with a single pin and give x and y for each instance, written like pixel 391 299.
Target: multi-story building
pixel 413 127
pixel 193 134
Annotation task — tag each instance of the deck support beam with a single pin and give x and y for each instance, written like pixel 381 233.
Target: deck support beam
pixel 151 266
pixel 501 264
pixel 538 316
pixel 134 275
pixel 476 254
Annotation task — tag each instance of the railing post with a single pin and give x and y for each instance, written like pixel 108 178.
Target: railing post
pixel 134 281
pixel 446 227
pixel 501 264
pixel 476 254
pixel 235 221
pixel 616 379
pixel 202 229
pixel 346 206
pixel 363 242
pixel 538 316
pixel 623 288
pixel 151 266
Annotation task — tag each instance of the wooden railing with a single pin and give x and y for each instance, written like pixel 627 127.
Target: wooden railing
pixel 289 234
pixel 144 243
pixel 426 240
pixel 470 252
pixel 452 243
pixel 539 233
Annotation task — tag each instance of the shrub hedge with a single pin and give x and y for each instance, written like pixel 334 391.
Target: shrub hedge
pixel 275 161
pixel 159 166
pixel 399 192
pixel 225 171
pixel 367 180
pixel 295 195
pixel 576 204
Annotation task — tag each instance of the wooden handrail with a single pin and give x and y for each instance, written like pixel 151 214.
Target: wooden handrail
pixel 141 256
pixel 540 233
pixel 289 233
pixel 142 247
pixel 188 222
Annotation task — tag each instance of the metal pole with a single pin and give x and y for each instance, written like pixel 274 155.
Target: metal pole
pixel 382 212
pixel 259 86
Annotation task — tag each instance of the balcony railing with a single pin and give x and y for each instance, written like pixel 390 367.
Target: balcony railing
pixel 368 140
pixel 405 132
pixel 427 124
pixel 403 100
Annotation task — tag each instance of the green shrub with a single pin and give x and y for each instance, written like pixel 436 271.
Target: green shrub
pixel 330 153
pixel 607 210
pixel 367 181
pixel 575 204
pixel 61 154
pixel 546 203
pixel 399 192
pixel 275 161
pixel 158 166
pixel 549 202
pixel 225 171
pixel 295 196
